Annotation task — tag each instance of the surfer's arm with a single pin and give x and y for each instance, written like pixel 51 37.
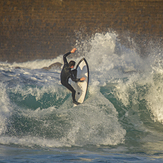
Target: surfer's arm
pixel 73 77
pixel 77 79
pixel 65 55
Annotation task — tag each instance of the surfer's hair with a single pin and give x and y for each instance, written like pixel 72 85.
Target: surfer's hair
pixel 71 63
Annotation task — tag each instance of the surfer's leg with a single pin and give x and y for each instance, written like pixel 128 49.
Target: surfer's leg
pixel 69 87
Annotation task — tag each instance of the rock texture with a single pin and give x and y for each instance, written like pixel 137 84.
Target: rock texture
pixel 56 65
pixel 44 29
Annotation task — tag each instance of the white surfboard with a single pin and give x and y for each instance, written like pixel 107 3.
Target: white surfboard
pixel 81 87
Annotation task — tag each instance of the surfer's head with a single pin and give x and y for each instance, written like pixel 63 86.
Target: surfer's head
pixel 71 64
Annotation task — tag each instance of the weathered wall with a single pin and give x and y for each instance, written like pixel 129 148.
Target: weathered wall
pixel 35 29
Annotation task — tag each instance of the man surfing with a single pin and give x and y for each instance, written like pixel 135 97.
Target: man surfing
pixel 67 73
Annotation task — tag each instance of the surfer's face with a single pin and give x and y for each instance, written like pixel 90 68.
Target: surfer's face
pixel 71 64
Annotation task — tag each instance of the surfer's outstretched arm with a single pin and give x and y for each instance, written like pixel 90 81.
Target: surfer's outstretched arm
pixel 65 55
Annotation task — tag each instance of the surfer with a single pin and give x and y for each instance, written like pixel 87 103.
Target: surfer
pixel 67 73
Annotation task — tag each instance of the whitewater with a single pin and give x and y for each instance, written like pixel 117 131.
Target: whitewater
pixel 121 119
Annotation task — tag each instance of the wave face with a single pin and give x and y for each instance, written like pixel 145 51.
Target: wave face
pixel 123 106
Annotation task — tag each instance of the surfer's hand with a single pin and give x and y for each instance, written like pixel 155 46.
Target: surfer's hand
pixel 73 50
pixel 82 79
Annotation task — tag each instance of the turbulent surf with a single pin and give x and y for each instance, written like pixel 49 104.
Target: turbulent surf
pixel 122 111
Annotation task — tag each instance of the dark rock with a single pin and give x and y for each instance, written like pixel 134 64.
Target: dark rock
pixel 56 65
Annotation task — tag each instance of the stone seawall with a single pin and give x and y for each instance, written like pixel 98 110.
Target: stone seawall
pixel 43 29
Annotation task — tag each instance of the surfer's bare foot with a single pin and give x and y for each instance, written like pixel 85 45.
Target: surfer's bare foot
pixel 75 102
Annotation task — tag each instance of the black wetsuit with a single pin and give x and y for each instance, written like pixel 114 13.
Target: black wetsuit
pixel 67 73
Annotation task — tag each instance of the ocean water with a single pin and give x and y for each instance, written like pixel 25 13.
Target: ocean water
pixel 121 119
